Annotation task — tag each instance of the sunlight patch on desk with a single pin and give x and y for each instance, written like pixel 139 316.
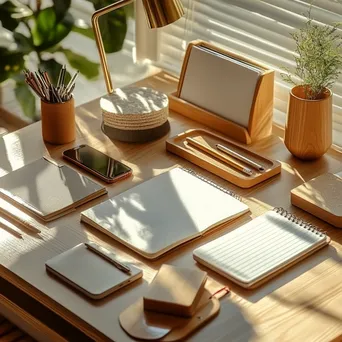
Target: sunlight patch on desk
pixel 262 206
pixel 28 245
pixel 14 151
pixel 291 170
pixel 309 193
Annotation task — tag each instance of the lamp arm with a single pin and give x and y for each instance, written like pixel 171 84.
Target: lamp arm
pixel 98 38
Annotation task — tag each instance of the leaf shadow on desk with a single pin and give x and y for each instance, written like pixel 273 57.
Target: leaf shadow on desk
pixel 313 168
pixel 271 286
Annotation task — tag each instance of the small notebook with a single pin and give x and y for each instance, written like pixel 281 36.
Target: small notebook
pixel 165 212
pixel 48 190
pixel 220 84
pixel 260 249
pixel 90 273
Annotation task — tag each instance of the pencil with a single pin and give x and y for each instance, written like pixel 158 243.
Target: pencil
pixel 71 82
pixel 238 156
pixel 40 82
pixel 11 228
pixel 219 156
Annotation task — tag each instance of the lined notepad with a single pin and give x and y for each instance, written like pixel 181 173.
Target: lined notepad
pixel 261 248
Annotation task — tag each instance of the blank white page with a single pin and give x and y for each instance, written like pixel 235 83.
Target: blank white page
pixel 258 248
pixel 163 212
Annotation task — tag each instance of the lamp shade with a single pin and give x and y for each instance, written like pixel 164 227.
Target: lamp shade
pixel 162 12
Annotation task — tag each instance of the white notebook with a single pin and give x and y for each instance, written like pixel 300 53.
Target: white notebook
pixel 251 254
pixel 48 190
pixel 164 212
pixel 220 84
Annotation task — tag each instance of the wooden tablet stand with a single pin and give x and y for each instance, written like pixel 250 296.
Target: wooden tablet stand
pixel 261 115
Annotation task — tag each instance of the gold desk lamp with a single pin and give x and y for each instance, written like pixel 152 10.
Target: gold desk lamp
pixel 159 13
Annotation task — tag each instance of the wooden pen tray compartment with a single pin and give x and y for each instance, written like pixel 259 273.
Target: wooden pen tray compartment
pixel 179 146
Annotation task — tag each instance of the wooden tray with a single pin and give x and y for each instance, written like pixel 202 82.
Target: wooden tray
pixel 179 146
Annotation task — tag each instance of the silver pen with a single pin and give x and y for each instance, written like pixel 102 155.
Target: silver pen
pixel 238 156
pixel 107 255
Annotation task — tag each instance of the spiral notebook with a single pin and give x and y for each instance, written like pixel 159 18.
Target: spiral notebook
pixel 260 249
pixel 165 212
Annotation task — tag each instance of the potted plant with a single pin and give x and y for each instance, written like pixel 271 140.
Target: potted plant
pixel 308 130
pixel 35 33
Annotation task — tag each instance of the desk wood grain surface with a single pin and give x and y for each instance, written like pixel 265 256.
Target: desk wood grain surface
pixel 302 304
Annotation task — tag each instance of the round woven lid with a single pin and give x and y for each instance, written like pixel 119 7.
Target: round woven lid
pixel 135 108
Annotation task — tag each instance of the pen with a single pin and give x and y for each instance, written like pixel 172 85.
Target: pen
pixel 107 255
pixel 8 226
pixel 71 82
pixel 219 156
pixel 59 78
pixel 240 157
pixel 63 74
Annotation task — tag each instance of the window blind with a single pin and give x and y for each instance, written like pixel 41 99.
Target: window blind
pixel 254 28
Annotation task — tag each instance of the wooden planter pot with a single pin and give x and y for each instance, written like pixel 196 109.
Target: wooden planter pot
pixel 58 122
pixel 308 130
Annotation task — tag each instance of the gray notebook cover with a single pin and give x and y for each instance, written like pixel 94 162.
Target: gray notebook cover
pixel 46 188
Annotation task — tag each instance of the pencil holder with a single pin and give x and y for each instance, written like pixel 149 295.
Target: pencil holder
pixel 58 122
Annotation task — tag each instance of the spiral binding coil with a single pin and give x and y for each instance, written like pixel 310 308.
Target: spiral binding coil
pixel 300 222
pixel 229 192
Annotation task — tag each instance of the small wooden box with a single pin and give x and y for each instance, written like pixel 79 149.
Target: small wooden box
pixel 261 115
pixel 321 197
pixel 175 291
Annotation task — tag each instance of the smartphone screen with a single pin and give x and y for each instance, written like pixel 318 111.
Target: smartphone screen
pixel 97 161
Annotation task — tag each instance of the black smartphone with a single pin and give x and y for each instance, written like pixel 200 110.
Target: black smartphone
pixel 96 162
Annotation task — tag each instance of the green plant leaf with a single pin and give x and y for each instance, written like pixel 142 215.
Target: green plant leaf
pixel 11 12
pixel 48 31
pixel 26 99
pixel 53 68
pixel 113 26
pixel 61 8
pixel 25 44
pixel 87 32
pixel 87 68
pixel 11 62
pixel 129 9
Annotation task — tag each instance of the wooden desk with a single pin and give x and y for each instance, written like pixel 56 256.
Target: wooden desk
pixel 302 304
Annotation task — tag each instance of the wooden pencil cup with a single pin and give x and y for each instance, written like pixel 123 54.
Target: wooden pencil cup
pixel 58 122
pixel 308 130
